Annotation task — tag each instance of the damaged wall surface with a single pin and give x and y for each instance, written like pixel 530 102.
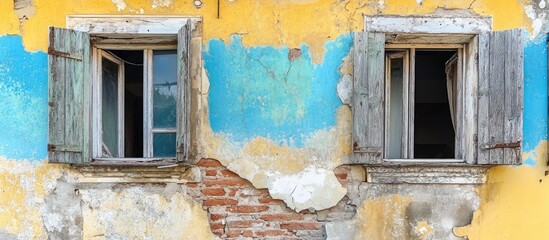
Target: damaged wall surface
pixel 272 134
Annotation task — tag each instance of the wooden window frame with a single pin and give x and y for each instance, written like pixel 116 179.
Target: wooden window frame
pixel 407 52
pixel 131 32
pixel 100 51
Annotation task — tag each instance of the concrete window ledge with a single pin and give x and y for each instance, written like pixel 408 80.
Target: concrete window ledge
pixel 427 175
pixel 127 174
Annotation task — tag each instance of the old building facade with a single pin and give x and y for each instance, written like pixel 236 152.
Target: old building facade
pixel 312 119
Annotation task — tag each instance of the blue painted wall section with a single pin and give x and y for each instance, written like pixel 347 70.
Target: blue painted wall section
pixel 258 91
pixel 23 101
pixel 535 94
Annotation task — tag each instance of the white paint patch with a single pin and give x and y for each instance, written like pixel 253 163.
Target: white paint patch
pixel 315 188
pixel 542 4
pixel 538 19
pixel 419 2
pixel 120 4
pixel 161 3
pixel 345 89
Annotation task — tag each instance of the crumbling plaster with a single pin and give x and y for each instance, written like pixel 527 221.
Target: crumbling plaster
pixel 48 201
pixel 261 159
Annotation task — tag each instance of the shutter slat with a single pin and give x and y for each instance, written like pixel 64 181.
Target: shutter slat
pixel 368 97
pixel 500 97
pixel 513 95
pixel 69 97
pixel 184 92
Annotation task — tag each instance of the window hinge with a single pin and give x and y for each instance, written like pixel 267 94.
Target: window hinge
pixel 374 150
pixel 500 145
pixel 56 53
pixel 63 148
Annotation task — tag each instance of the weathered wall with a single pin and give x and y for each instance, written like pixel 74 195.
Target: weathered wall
pixel 276 80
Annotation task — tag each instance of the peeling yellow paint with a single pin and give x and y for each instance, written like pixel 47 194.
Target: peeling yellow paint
pixel 514 202
pixel 23 188
pixel 423 229
pixel 9 24
pixel 264 22
pixel 382 218
pixel 136 214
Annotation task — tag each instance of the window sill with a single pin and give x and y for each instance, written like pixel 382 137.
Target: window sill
pixel 457 174
pixel 122 171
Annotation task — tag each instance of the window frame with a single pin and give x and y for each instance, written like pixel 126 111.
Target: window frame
pixel 491 98
pixel 407 52
pixel 99 51
pixel 123 32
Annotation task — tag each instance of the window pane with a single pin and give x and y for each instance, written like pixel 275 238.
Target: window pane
pixel 164 145
pixel 109 105
pixel 396 109
pixel 165 88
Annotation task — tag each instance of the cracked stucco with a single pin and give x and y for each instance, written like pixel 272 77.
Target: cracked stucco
pixel 40 200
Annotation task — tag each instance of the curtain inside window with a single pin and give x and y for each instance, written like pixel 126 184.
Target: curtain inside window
pixel 451 86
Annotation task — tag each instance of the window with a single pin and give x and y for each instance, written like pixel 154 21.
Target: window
pixel 436 90
pixel 119 99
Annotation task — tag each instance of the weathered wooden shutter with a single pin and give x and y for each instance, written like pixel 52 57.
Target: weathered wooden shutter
pixel 183 92
pixel 368 97
pixel 500 97
pixel 69 97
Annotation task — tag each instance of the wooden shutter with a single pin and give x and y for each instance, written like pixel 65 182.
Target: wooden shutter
pixel 69 97
pixel 368 97
pixel 183 92
pixel 500 97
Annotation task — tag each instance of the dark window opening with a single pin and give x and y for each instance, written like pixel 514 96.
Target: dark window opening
pixel 133 101
pixel 434 134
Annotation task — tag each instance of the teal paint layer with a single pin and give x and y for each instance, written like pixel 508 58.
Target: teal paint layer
pixel 535 95
pixel 23 101
pixel 258 91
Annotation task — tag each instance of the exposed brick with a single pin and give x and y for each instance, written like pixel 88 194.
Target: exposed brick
pixel 268 200
pixel 211 172
pixel 248 233
pixel 232 191
pixel 267 233
pixel 238 233
pixel 216 226
pixel 213 191
pixel 233 233
pixel 341 175
pixel 228 173
pixel 215 217
pixel 209 163
pixel 226 182
pixel 219 202
pixel 192 185
pixel 300 226
pixel 248 209
pixel 218 232
pixel 282 217
pixel 244 224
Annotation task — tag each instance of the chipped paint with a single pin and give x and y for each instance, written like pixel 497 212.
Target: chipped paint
pixel 282 132
pixel 423 229
pixel 120 4
pixel 161 3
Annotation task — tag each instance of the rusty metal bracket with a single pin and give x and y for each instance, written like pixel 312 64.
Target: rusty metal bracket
pixel 371 150
pixel 56 53
pixel 500 145
pixel 63 148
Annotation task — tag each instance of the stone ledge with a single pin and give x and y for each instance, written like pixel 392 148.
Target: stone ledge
pixel 127 174
pixel 426 175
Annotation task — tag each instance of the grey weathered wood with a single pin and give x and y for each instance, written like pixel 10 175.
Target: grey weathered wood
pixel 368 97
pixel 470 98
pixel 500 96
pixel 69 97
pixel 183 92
